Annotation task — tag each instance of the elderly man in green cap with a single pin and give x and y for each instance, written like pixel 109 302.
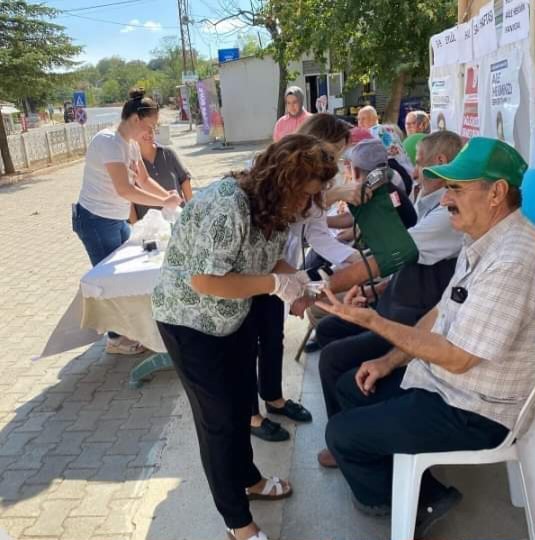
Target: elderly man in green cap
pixel 458 380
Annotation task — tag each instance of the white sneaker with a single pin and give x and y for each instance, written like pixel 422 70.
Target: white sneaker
pixel 124 346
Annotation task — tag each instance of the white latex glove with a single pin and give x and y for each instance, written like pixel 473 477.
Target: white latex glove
pixel 288 287
pixel 303 277
pixel 311 285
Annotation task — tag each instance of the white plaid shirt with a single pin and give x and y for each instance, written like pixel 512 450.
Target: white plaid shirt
pixel 496 323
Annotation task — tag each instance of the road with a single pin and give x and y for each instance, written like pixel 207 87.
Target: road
pixel 96 115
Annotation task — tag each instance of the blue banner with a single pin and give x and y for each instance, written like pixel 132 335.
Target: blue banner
pixel 227 55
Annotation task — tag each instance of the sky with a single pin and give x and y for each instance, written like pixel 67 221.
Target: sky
pixel 135 27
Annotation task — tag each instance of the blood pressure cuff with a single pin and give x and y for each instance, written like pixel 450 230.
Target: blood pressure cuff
pixel 384 233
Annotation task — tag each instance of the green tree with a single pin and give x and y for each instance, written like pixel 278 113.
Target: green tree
pixel 383 39
pixel 168 59
pixel 288 24
pixel 31 48
pixel 111 92
pixel 249 45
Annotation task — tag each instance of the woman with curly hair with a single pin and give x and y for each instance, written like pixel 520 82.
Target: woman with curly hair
pixel 226 249
pixel 269 310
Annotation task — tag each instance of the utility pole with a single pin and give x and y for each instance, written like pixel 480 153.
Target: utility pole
pixel 181 19
pixel 187 19
pixel 182 37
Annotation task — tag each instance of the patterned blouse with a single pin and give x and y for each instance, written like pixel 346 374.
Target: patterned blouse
pixel 213 236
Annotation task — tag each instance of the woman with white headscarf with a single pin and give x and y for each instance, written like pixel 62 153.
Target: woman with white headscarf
pixel 295 115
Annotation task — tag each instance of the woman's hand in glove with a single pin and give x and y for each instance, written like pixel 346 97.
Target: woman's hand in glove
pixel 288 287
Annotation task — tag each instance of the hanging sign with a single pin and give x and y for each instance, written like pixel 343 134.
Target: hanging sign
pixel 505 96
pixel 470 125
pixel 445 48
pixel 464 38
pixel 484 31
pixel 515 21
pixel 442 104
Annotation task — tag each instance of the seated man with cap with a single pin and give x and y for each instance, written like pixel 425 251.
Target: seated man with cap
pixel 410 293
pixel 470 361
pixel 366 156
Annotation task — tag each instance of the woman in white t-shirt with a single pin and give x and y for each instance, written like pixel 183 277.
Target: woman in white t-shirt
pixel 114 177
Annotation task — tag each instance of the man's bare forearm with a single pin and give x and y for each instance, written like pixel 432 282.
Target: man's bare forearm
pixel 397 357
pixel 355 274
pixel 420 342
pixel 343 221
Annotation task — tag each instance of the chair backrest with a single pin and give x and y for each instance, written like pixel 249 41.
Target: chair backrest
pixel 524 420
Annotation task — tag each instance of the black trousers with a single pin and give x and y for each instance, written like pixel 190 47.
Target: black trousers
pixel 215 371
pixel 370 430
pixel 344 347
pixel 268 313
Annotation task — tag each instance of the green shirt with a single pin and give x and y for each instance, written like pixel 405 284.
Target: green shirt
pixel 213 236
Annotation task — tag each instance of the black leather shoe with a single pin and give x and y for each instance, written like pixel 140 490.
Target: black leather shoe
pixel 430 514
pixel 312 346
pixel 270 431
pixel 294 411
pixel 381 510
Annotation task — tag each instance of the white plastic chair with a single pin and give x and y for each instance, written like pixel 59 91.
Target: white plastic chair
pixel 518 450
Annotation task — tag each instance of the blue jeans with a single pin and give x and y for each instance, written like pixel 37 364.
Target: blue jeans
pixel 100 236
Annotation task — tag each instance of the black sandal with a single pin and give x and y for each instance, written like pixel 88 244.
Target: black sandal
pixel 270 431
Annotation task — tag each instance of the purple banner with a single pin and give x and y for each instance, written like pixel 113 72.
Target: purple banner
pixel 209 105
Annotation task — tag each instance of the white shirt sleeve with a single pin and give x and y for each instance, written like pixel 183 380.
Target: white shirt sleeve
pixel 323 243
pixel 435 238
pixel 111 152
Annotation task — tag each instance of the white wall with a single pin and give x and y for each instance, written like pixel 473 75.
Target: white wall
pixel 249 93
pixel 249 90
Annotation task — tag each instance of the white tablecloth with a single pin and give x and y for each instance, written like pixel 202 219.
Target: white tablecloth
pixel 113 296
pixel 128 271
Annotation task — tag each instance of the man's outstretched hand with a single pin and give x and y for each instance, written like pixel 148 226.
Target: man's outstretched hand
pixel 351 309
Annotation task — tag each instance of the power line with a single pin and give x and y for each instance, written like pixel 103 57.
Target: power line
pixel 116 22
pixel 102 5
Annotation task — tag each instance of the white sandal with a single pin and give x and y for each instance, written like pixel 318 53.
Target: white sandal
pixel 124 346
pixel 266 493
pixel 258 536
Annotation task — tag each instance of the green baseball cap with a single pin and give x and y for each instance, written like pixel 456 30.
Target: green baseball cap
pixel 410 144
pixel 482 158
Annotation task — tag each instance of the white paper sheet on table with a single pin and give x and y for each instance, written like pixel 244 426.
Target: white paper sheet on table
pixel 129 271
